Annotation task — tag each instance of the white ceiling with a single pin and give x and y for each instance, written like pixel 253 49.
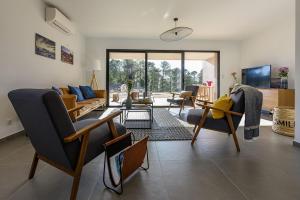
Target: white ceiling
pixel 210 19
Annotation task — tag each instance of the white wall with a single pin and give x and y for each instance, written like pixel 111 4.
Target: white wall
pixel 20 67
pixel 275 45
pixel 229 58
pixel 297 73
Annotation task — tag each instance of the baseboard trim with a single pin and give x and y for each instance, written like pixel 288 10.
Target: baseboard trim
pixel 13 136
pixel 296 144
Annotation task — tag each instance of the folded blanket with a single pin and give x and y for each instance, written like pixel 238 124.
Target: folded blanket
pixel 253 104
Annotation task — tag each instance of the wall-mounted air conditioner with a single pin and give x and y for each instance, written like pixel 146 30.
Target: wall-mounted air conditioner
pixel 56 19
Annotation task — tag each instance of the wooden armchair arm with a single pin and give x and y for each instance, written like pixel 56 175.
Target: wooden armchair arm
pixel 193 98
pixel 174 93
pixel 225 111
pixel 73 112
pixel 86 130
pixel 70 111
pixel 205 102
pixel 117 139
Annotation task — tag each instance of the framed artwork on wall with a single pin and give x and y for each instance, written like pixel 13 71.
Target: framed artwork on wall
pixel 67 55
pixel 44 46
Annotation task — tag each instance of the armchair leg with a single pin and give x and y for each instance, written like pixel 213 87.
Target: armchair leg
pixel 197 131
pixel 75 186
pixel 33 166
pixel 181 107
pixel 180 110
pixel 194 128
pixel 236 141
pixel 79 167
pixel 230 122
pixel 201 124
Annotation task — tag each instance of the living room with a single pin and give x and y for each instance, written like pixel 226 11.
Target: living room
pixel 238 35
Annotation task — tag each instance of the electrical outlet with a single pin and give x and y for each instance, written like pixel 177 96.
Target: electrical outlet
pixel 9 121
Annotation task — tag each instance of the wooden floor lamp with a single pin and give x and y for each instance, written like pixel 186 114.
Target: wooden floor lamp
pixel 94 81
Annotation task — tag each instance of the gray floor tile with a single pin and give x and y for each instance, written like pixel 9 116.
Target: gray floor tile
pixel 197 180
pixel 142 185
pixel 179 150
pixel 9 146
pixel 260 180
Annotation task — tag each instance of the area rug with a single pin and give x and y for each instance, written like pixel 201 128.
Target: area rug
pixel 165 127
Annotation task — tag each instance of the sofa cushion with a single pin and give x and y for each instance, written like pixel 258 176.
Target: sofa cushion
pixel 87 92
pixel 57 90
pixel 76 91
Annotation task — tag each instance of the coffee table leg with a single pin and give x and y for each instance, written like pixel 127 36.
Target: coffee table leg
pixel 152 111
pixel 151 117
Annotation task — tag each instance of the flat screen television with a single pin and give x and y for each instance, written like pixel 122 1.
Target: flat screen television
pixel 259 77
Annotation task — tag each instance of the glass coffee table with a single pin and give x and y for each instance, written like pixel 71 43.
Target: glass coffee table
pixel 137 117
pixel 140 102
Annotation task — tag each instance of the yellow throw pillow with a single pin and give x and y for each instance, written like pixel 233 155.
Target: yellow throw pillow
pixel 224 103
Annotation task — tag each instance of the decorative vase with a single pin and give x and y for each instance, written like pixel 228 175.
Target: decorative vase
pixel 209 83
pixel 284 82
pixel 128 102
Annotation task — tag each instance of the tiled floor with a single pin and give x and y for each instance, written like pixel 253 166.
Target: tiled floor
pixel 268 168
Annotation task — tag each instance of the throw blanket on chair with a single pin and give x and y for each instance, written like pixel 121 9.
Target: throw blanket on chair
pixel 253 104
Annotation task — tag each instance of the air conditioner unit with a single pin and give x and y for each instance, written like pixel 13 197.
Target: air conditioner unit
pixel 56 19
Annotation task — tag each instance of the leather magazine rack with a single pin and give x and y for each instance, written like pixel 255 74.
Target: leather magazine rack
pixel 122 158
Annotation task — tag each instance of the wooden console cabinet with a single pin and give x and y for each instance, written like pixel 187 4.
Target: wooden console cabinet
pixel 277 97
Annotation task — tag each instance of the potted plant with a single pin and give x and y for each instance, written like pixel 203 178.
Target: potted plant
pixel 129 87
pixel 283 74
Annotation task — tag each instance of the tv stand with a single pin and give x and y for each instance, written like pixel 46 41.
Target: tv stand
pixel 274 97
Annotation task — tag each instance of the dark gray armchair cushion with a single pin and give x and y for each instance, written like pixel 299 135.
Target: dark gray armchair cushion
pixel 175 100
pixel 97 137
pixel 194 116
pixel 34 116
pixel 47 123
pixel 63 125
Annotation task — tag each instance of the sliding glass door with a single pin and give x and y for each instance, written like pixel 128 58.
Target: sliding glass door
pixel 123 66
pixel 201 68
pixel 157 73
pixel 164 76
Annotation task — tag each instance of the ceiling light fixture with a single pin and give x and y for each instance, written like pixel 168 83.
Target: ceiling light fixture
pixel 176 33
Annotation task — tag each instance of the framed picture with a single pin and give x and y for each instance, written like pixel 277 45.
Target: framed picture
pixel 67 55
pixel 44 46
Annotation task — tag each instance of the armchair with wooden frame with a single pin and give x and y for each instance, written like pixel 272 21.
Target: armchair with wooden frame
pixel 57 141
pixel 202 118
pixel 186 97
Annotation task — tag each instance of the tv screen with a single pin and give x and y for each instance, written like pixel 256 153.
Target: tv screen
pixel 259 77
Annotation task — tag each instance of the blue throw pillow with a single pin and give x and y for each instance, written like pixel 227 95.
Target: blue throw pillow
pixel 77 92
pixel 87 92
pixel 56 89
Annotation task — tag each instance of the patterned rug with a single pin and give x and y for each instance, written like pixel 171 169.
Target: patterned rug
pixel 165 127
